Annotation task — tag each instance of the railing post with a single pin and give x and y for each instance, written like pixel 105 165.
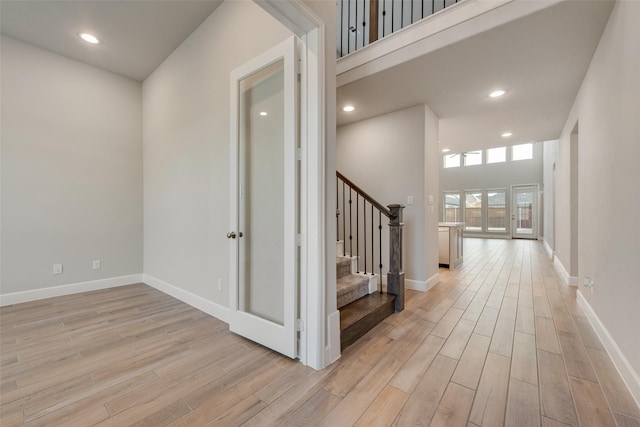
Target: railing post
pixel 373 21
pixel 395 276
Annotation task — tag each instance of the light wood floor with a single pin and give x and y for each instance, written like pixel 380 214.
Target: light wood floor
pixel 500 341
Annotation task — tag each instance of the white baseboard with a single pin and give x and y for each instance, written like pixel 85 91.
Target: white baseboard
pixel 432 281
pixel 569 280
pixel 72 288
pixel 332 351
pixel 202 304
pixel 417 285
pixel 548 248
pixel 628 374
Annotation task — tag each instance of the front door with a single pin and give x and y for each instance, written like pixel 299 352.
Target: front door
pixel 524 212
pixel 264 202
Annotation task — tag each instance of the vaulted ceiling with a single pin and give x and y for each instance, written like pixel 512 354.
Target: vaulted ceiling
pixel 136 36
pixel 540 59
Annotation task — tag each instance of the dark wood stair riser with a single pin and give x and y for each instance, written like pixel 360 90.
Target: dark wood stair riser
pixel 359 317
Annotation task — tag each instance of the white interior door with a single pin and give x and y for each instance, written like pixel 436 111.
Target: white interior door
pixel 264 205
pixel 524 212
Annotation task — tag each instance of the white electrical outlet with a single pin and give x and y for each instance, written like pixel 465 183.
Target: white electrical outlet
pixel 219 284
pixel 96 264
pixel 588 282
pixel 409 200
pixel 57 268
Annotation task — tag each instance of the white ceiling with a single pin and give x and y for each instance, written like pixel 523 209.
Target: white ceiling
pixel 540 59
pixel 136 35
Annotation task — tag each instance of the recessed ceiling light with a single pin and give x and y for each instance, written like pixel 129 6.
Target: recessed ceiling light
pixel 263 113
pixel 349 108
pixel 89 38
pixel 446 150
pixel 506 134
pixel 497 93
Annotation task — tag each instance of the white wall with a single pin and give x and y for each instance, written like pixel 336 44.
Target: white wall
pixel 550 154
pixel 432 180
pixel 494 176
pixel 326 11
pixel 608 108
pixel 386 157
pixel 71 170
pixel 186 149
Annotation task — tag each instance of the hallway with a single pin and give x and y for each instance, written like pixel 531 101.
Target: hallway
pixel 499 341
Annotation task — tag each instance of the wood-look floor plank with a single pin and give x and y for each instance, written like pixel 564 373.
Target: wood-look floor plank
pixel 422 404
pixel 313 410
pixel 626 421
pixel 612 385
pixel 523 407
pixel 525 320
pixel 384 409
pixel 546 336
pixel 458 339
pixel 524 366
pixel 487 321
pixel 555 393
pixel 491 397
pixel 591 405
pixel 412 371
pixel 502 340
pixel 575 356
pixel 469 368
pixel 454 407
pixel 448 322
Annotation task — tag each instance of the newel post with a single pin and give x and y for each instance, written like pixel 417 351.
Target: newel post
pixel 395 276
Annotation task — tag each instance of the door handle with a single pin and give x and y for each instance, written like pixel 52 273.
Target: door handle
pixel 232 234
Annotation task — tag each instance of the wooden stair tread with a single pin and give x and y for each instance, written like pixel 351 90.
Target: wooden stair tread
pixel 362 315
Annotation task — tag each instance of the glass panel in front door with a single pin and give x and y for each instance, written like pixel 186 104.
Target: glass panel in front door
pixel 524 212
pixel 262 193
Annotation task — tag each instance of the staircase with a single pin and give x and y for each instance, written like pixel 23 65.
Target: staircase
pixel 361 302
pixel 361 305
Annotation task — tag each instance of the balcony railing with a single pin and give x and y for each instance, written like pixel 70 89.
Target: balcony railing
pixel 362 22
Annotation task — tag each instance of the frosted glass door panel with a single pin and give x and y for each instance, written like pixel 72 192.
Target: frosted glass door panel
pixel 261 176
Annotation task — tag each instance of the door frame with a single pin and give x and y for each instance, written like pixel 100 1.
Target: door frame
pixel 536 211
pixel 314 349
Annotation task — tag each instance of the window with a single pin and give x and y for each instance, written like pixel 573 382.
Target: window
pixel 451 160
pixel 472 158
pixel 496 210
pixel 522 152
pixel 452 212
pixel 497 155
pixel 473 210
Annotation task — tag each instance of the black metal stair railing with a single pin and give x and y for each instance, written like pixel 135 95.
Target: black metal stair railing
pixel 361 22
pixel 364 250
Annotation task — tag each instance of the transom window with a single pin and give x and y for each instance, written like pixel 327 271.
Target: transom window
pixel 497 155
pixel 472 158
pixel 452 160
pixel 522 152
